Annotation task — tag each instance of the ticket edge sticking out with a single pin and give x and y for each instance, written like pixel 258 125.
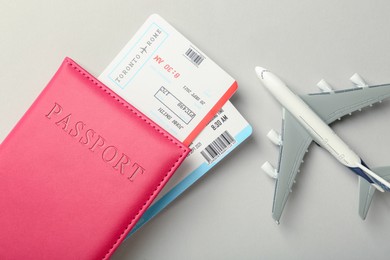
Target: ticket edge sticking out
pixel 202 124
pixel 187 182
pixel 230 90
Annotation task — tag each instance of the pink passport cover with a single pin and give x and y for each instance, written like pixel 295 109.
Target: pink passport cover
pixel 78 171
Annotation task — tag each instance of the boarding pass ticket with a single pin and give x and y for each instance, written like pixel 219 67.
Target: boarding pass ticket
pixel 169 79
pixel 223 134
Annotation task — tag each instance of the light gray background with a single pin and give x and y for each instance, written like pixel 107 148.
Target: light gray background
pixel 227 215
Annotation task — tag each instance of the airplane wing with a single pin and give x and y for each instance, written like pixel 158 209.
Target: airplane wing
pixel 336 104
pixel 295 141
pixel 331 106
pixel 366 190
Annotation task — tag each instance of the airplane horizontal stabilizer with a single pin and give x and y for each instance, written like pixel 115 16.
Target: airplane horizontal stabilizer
pixel 367 190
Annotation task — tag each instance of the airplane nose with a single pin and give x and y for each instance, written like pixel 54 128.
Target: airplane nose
pixel 259 71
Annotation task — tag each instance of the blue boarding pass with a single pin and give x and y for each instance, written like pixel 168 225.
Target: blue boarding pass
pixel 171 81
pixel 223 134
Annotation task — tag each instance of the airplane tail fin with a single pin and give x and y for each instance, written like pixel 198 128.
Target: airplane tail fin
pixel 378 181
pixel 367 190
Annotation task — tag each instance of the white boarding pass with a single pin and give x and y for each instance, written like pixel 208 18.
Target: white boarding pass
pixel 223 134
pixel 169 79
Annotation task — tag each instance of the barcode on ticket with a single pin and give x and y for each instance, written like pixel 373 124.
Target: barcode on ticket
pixel 194 56
pixel 218 147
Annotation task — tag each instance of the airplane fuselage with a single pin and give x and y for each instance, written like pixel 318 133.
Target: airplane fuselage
pixel 303 123
pixel 315 126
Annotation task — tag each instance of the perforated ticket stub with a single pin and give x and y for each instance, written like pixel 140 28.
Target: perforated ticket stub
pixel 169 79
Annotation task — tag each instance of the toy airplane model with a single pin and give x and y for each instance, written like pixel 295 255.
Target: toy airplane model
pixel 306 119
